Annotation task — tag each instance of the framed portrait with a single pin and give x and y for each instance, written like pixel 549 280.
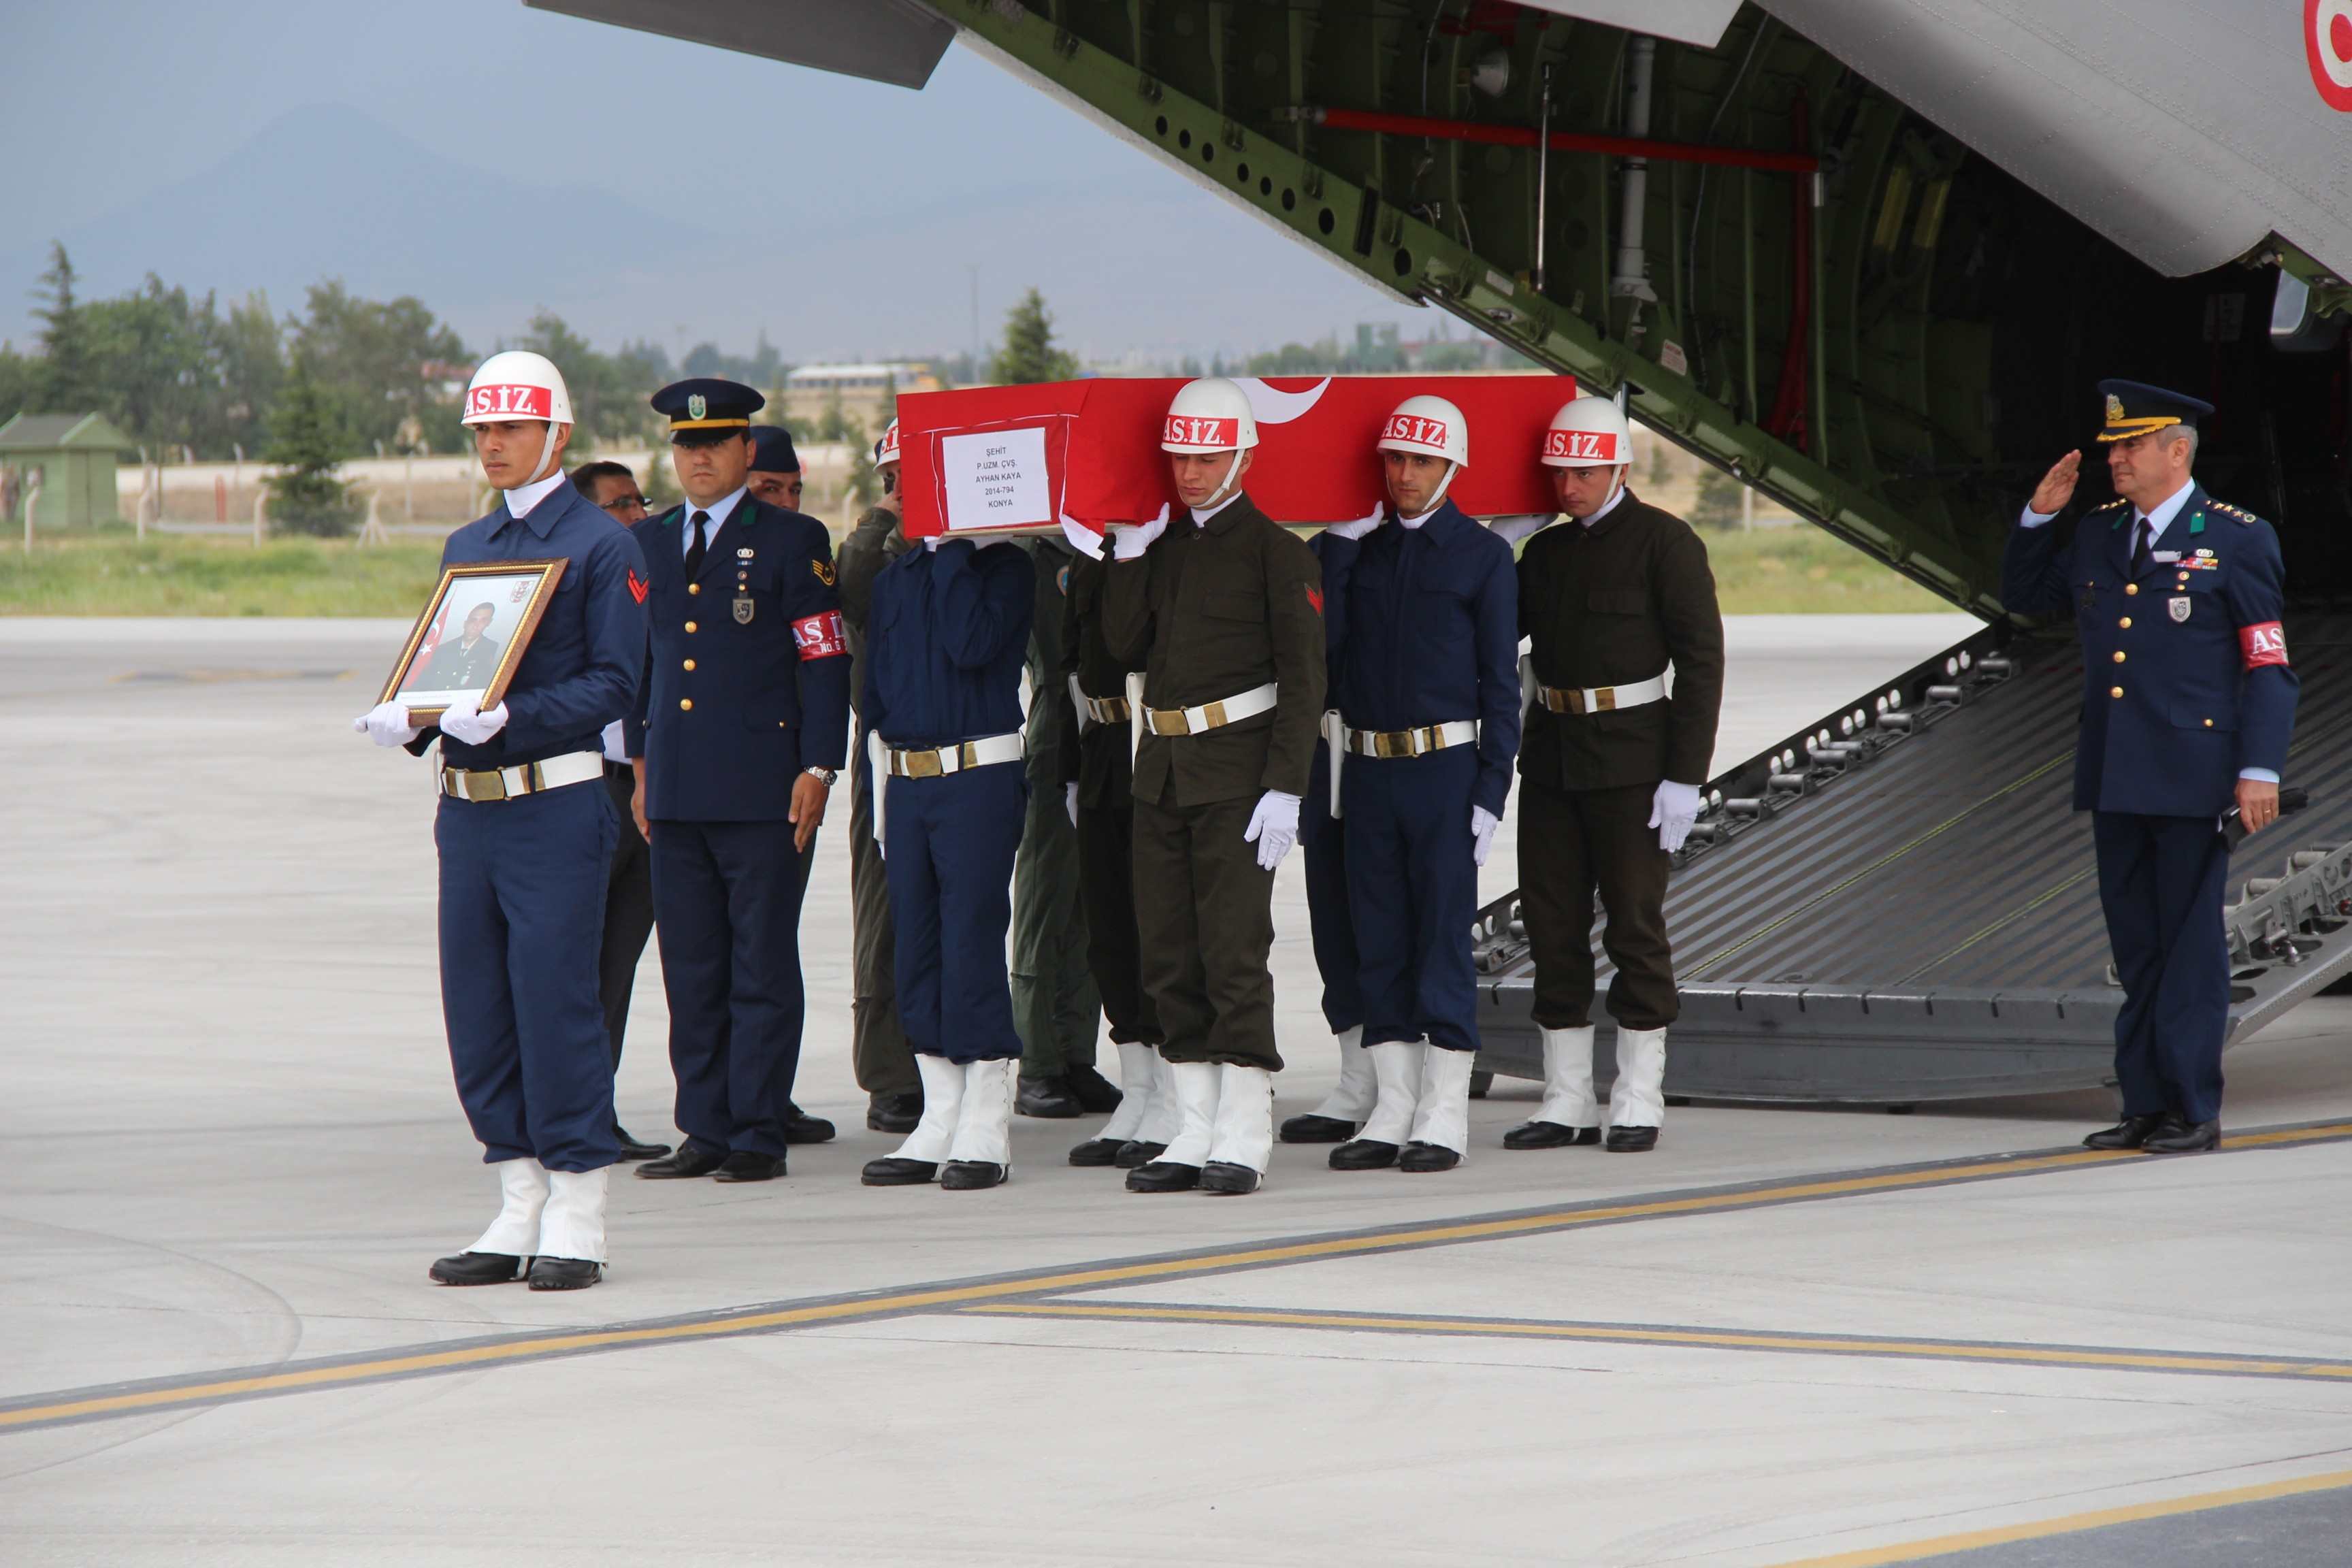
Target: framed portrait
pixel 471 635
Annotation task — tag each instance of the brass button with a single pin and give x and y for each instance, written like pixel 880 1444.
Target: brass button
pixel 2119 656
pixel 2115 691
pixel 694 587
pixel 2125 622
pixel 685 704
pixel 2131 587
pixel 2208 723
pixel 689 664
pixel 689 628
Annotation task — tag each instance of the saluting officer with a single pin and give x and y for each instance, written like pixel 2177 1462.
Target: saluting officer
pixel 1607 600
pixel 2187 707
pixel 1224 608
pixel 1098 784
pixel 945 645
pixel 884 1062
pixel 774 476
pixel 525 842
pixel 741 727
pixel 1428 687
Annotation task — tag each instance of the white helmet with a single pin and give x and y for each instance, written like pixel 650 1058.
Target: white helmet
pixel 886 450
pixel 517 384
pixel 1430 425
pixel 1210 415
pixel 1588 432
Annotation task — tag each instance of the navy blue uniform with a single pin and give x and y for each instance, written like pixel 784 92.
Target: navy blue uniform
pixel 1325 845
pixel 2185 684
pixel 946 640
pixel 1426 625
pixel 523 880
pixel 749 684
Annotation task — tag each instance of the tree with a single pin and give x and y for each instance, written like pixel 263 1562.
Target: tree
pixel 69 382
pixel 1029 355
pixel 20 381
pixel 378 364
pixel 864 487
pixel 306 442
pixel 253 369
pixel 1717 505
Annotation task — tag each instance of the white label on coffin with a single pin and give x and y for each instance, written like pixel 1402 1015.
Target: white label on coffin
pixel 996 481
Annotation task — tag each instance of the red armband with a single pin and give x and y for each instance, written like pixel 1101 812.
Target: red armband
pixel 820 635
pixel 2262 645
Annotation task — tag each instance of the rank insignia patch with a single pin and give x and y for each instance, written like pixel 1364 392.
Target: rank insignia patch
pixel 638 586
pixel 743 608
pixel 822 572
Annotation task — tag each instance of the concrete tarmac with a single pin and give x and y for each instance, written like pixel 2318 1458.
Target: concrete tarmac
pixel 1786 1337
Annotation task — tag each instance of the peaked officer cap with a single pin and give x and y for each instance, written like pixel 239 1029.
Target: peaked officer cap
pixel 706 408
pixel 2135 408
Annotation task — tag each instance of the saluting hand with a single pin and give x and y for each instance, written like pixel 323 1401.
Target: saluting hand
pixel 2057 485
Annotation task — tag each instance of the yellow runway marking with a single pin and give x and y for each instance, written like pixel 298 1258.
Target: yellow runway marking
pixel 2013 1354
pixel 2074 1523
pixel 199 1389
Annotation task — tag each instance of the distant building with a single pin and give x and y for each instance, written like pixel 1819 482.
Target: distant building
pixel 74 455
pixel 865 391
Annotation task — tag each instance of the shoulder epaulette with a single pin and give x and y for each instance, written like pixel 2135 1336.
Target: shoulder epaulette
pixel 2237 514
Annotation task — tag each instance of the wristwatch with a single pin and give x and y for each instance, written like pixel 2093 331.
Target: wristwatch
pixel 823 776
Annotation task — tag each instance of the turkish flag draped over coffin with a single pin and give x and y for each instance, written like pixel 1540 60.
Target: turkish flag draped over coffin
pixel 1019 459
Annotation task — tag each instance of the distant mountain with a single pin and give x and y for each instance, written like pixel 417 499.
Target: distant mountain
pixel 1146 262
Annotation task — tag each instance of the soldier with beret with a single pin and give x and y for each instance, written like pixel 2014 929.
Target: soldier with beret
pixel 740 730
pixel 2187 707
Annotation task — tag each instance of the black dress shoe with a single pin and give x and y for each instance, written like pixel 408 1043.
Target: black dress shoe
pixel 800 1127
pixel 635 1148
pixel 2178 1137
pixel 694 1158
pixel 1313 1129
pixel 970 1176
pixel 1364 1154
pixel 2129 1133
pixel 1097 1151
pixel 744 1165
pixel 1161 1176
pixel 477 1268
pixel 1550 1135
pixel 1425 1157
pixel 1134 1156
pixel 1226 1180
pixel 1097 1096
pixel 893 1172
pixel 894 1112
pixel 1631 1140
pixel 564 1273
pixel 1047 1097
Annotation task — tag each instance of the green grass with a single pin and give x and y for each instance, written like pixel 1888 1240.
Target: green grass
pixel 1803 570
pixel 110 573
pixel 1765 571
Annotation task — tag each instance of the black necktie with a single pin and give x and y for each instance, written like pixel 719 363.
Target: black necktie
pixel 2141 531
pixel 696 545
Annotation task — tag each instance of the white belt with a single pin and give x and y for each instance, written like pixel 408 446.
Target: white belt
pixel 940 762
pixel 1602 699
pixel 1097 712
pixel 530 778
pixel 1210 715
pixel 1414 742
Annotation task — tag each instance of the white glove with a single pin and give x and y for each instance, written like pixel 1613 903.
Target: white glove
pixel 1129 543
pixel 1083 540
pixel 1483 824
pixel 1070 799
pixel 386 724
pixel 464 723
pixel 1274 828
pixel 1511 529
pixel 1360 527
pixel 1672 811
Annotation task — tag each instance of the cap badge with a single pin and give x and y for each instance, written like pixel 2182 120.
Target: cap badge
pixel 2115 408
pixel 696 406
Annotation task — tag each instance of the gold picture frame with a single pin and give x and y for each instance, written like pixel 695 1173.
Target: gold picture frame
pixel 440 662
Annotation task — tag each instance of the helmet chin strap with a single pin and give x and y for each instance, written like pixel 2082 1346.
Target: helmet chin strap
pixel 546 452
pixel 1436 497
pixel 1233 472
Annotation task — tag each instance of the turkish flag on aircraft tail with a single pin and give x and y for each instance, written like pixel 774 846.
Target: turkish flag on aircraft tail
pixel 1019 459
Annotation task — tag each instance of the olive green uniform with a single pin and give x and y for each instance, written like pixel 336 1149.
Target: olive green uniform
pixel 1055 1004
pixel 884 1060
pixel 1611 604
pixel 1215 610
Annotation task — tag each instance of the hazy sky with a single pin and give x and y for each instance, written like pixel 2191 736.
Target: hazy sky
pixel 105 101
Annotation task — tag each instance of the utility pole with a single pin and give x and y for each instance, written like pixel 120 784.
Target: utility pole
pixel 973 267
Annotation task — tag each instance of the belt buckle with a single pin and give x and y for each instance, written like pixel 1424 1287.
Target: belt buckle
pixel 490 783
pixel 923 764
pixel 1392 743
pixel 1169 721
